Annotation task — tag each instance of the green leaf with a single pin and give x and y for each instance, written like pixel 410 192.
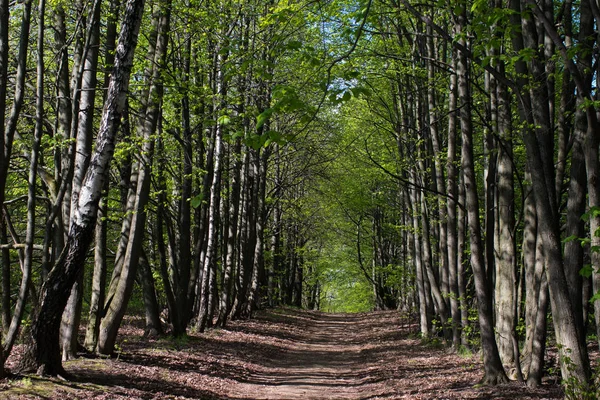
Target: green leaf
pixel 360 91
pixel 196 201
pixel 263 117
pixel 223 120
pixel 274 136
pixel 586 271
pixel 294 45
pixel 570 238
pixel 595 297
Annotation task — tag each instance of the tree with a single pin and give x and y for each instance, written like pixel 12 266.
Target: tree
pixel 122 286
pixel 43 352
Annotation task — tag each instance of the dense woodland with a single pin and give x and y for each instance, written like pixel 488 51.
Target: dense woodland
pixel 197 160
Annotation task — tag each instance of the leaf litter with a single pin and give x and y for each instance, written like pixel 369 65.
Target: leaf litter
pixel 280 354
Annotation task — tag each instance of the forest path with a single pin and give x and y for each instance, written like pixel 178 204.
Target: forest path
pixel 374 355
pixel 330 357
pixel 282 354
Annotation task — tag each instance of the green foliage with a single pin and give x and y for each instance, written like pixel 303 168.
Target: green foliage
pixel 573 387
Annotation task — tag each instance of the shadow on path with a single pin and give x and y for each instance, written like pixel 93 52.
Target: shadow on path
pixel 282 354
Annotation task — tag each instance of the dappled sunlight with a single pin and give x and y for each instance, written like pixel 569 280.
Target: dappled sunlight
pixel 284 353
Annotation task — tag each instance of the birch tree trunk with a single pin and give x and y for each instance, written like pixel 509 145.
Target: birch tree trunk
pixel 210 259
pixel 83 147
pixel 98 297
pixel 43 352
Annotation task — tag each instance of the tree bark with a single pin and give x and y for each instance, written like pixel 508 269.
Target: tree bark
pixel 452 224
pixel 506 265
pixel 424 317
pixel 232 228
pixel 118 303
pixel 254 295
pixel 538 143
pixel 494 372
pixel 83 148
pixel 11 335
pixel 98 278
pixel 153 325
pixel 213 214
pixel 43 351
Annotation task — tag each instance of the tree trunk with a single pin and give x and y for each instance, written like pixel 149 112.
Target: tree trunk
pixel 160 241
pixel 573 354
pixel 184 264
pixel 254 295
pixel 506 265
pixel 429 273
pixel 494 372
pixel 115 311
pixel 4 61
pixel 232 228
pixel 244 271
pixel 153 326
pixel 452 231
pixel 10 125
pixel 539 150
pixel 440 187
pixel 83 148
pixel 424 317
pixel 536 343
pixel 43 351
pixel 98 297
pixel 208 283
pixel 98 278
pixel 6 262
pixel 11 335
pixel 575 226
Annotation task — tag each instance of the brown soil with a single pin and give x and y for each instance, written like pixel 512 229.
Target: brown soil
pixel 281 354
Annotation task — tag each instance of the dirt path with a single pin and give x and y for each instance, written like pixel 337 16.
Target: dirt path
pixel 282 354
pixel 329 359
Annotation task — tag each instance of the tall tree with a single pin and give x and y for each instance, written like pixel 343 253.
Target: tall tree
pixel 43 352
pixel 123 287
pixel 494 372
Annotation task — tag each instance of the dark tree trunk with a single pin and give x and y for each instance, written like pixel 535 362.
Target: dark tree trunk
pixel 494 372
pixel 254 295
pixel 452 224
pixel 153 326
pixel 11 335
pixel 184 262
pixel 98 278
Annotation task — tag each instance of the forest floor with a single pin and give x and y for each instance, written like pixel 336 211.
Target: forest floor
pixel 280 354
